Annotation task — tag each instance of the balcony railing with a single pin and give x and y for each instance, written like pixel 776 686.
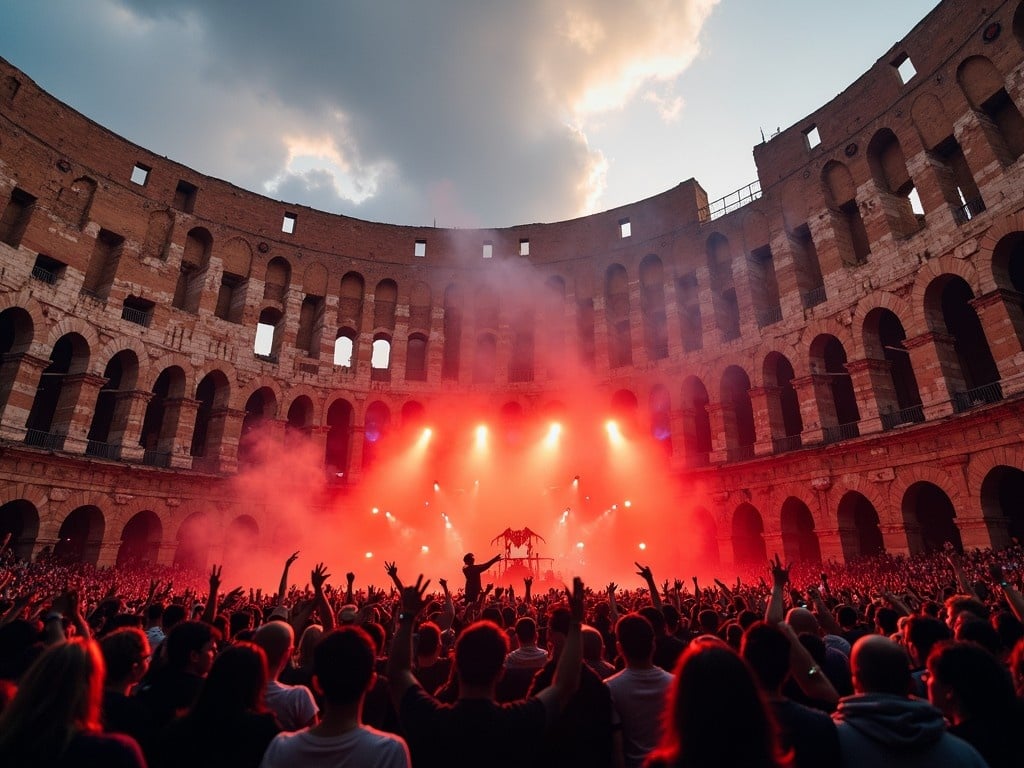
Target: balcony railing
pixel 739 453
pixel 839 432
pixel 971 208
pixel 156 459
pixel 44 275
pixel 814 297
pixel 102 450
pixel 730 202
pixel 912 415
pixel 972 398
pixel 47 440
pixel 786 444
pixel 769 316
pixel 137 316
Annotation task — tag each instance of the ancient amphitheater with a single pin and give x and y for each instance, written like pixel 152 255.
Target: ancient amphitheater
pixel 834 355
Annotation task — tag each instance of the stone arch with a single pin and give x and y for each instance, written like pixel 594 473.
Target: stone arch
pixel 893 182
pixel 25 303
pixel 858 346
pixel 860 533
pixel 748 543
pixel 75 325
pixel 385 301
pixel 652 306
pixel 696 421
pixel 241 537
pixel 126 344
pixel 799 541
pixel 420 301
pixel 314 279
pixel 705 530
pixel 617 314
pixel 1000 496
pixel 884 340
pixel 140 540
pixel 80 536
pixel 193 538
pixel 236 257
pixel 929 518
pixel 376 428
pixel 738 412
pixel 20 519
pixel 785 420
pixel 277 279
pixel 339 418
pixel 985 90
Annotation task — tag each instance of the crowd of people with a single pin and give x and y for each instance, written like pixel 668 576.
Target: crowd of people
pixel 896 660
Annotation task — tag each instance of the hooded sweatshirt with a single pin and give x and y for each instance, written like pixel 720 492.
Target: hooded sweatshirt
pixel 899 731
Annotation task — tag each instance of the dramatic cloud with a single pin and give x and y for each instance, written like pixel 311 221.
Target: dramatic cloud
pixel 470 112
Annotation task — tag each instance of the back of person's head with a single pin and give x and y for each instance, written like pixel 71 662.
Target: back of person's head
pixel 508 616
pixel 184 639
pixel 980 632
pixel 732 633
pixel 378 634
pixel 746 619
pixel 526 630
pixel 635 637
pixel 802 620
pixel 887 620
pixel 978 685
pixel 957 604
pixel 879 665
pixel 671 617
pixel 173 614
pixel 559 620
pixel 125 652
pixel 480 653
pixel 708 621
pixel 655 617
pixel 428 639
pixel 712 699
pixel 490 613
pixel 343 665
pixel 311 635
pixel 277 639
pixel 593 645
pixel 922 633
pixel 155 612
pixel 59 695
pixel 234 685
pixel 240 621
pixel 1008 627
pixel 846 616
pixel 766 649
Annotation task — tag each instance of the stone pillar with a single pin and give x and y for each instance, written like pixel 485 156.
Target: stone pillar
pixel 816 406
pixel 176 432
pixel 673 328
pixel 976 532
pixel 601 359
pixel 937 371
pixel 398 359
pixel 831 544
pixel 873 390
pixel 897 538
pixel 20 374
pixel 637 327
pixel 1002 318
pixel 165 552
pixel 722 417
pixel 222 435
pixel 126 426
pixel 106 557
pixel 75 409
pixel 355 456
pixel 773 544
pixel 768 420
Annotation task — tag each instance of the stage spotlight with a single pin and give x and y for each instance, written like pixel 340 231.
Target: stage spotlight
pixel 369 555
pixel 481 436
pixel 614 435
pixel 579 545
pixel 643 545
pixel 553 432
pixel 576 482
pixel 437 486
pixel 627 503
pixel 425 436
pixel 374 511
pixel 424 549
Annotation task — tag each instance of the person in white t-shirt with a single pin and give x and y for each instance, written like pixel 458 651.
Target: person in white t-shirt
pixel 343 671
pixel 638 691
pixel 293 705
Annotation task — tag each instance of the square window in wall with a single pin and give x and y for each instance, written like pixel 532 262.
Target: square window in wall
pixel 524 247
pixel 812 136
pixel 420 249
pixel 904 68
pixel 140 174
pixel 488 250
pixel 625 228
pixel 288 224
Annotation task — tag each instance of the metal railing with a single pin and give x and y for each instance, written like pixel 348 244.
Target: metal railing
pixel 786 444
pixel 44 275
pixel 730 202
pixel 102 450
pixel 972 398
pixel 739 453
pixel 839 432
pixel 814 297
pixel 769 316
pixel 137 316
pixel 912 415
pixel 153 458
pixel 971 208
pixel 47 440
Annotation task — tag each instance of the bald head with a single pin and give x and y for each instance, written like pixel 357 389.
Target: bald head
pixel 276 638
pixel 880 666
pixel 803 621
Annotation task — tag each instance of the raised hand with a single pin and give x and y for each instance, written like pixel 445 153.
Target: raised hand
pixel 610 589
pixel 413 596
pixel 350 577
pixel 232 597
pixel 678 585
pixel 645 572
pixel 215 578
pixel 443 583
pixel 576 600
pixel 528 582
pixel 292 559
pixel 318 576
pixel 391 569
pixel 780 575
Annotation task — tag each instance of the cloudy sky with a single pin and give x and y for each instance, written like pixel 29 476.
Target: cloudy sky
pixel 464 112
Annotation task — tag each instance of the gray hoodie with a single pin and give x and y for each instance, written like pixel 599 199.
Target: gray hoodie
pixel 883 729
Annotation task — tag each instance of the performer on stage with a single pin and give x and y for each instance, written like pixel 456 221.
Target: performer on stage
pixel 472 572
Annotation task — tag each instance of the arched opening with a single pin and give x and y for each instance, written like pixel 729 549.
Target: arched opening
pixel 1001 493
pixel 414 415
pixel 706 537
pixel 20 519
pixel 452 333
pixel 1008 271
pixel 930 519
pixel 57 394
pixel 344 348
pixel 260 408
pixel 340 419
pixel 837 402
pixel 420 299
pixel 380 359
pixel 113 406
pixel 859 532
pixel 160 422
pixel 269 331
pixel 616 297
pixel 553 326
pixel 799 541
pixel 240 539
pixel 140 541
pixel 16 330
pixel 783 404
pixel 696 421
pixel 300 419
pixel 212 394
pixel 375 430
pixel 884 337
pixel 847 223
pixel 652 307
pixel 723 290
pixel 748 545
pixel 485 358
pixel 737 414
pixel 195 261
pixel 901 202
pixel 350 300
pixel 385 300
pixel 279 277
pixel 193 542
pixel 661 418
pixel 624 411
pixel 984 88
pixel 416 358
pixel 80 536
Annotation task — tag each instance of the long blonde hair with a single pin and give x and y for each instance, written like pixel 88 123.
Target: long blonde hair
pixel 60 695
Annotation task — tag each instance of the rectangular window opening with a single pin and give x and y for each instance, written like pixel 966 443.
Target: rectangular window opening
pixel 904 68
pixel 625 228
pixel 524 247
pixel 488 250
pixel 915 202
pixel 185 196
pixel 812 136
pixel 288 224
pixel 140 174
pixel 420 249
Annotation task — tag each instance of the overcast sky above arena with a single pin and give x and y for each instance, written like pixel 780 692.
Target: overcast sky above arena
pixel 467 113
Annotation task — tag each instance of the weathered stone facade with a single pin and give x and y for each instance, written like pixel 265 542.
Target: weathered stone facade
pixel 837 358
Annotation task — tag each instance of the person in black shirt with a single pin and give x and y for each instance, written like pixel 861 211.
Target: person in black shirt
pixel 472 573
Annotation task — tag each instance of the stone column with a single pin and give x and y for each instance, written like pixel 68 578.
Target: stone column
pixel 222 435
pixel 722 417
pixel 20 374
pixel 126 426
pixel 937 371
pixel 107 554
pixel 873 390
pixel 1002 318
pixel 816 406
pixel 176 431
pixel 355 456
pixel 75 409
pixel 768 420
pixel 601 360
pixel 830 542
pixel 897 538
